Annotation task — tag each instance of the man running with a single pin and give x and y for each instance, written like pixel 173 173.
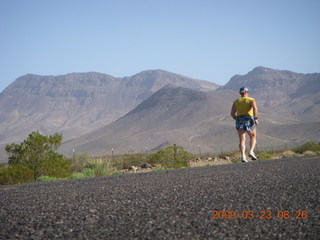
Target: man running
pixel 245 112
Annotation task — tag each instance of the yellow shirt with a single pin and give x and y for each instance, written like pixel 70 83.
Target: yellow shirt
pixel 244 106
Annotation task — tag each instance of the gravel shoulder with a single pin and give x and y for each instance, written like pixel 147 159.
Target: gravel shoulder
pixel 175 204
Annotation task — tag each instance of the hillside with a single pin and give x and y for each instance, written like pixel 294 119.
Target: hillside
pixel 167 116
pixel 77 103
pixel 188 118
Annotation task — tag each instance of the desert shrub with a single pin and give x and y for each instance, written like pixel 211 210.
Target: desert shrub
pixel 264 155
pixel 132 160
pixel 126 160
pixel 79 160
pixel 38 153
pixel 159 169
pixel 171 157
pixel 60 168
pixel 100 169
pixel 308 146
pixel 289 154
pixel 88 172
pixel 119 164
pixel 77 175
pixel 15 175
pixel 46 179
pixel 2 166
pixel 309 153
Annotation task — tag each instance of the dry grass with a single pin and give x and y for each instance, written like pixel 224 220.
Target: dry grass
pixel 309 153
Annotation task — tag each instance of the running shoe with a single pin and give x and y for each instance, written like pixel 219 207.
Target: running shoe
pixel 244 159
pixel 253 156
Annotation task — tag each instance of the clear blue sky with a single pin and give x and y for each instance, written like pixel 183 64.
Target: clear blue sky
pixel 205 39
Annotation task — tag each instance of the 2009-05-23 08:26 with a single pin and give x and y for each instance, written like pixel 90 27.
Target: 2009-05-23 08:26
pixel 268 214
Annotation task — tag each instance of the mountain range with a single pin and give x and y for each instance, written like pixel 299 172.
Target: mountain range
pixel 97 112
pixel 78 103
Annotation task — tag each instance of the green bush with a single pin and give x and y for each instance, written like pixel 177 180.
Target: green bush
pixel 127 160
pixel 38 153
pixel 2 166
pixel 171 157
pixel 289 154
pixel 15 175
pixel 133 160
pixel 308 146
pixel 159 169
pixel 100 169
pixel 59 168
pixel 46 179
pixel 79 160
pixel 77 175
pixel 88 172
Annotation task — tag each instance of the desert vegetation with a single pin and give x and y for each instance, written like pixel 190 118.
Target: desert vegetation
pixel 36 160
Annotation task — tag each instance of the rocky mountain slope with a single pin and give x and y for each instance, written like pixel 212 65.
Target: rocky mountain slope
pixel 77 103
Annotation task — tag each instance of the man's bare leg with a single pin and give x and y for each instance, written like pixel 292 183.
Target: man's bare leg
pixel 242 142
pixel 253 140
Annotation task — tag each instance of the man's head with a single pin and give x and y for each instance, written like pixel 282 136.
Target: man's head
pixel 244 91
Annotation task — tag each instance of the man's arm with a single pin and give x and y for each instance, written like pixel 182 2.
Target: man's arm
pixel 233 111
pixel 255 110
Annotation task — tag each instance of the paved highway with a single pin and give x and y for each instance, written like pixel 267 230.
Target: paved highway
pixel 276 199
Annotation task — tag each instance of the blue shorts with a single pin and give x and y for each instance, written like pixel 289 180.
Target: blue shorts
pixel 245 123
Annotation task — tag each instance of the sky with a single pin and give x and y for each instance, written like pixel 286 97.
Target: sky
pixel 204 39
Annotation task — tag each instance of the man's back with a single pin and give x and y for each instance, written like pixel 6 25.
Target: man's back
pixel 244 106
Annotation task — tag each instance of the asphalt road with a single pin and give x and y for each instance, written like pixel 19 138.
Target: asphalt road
pixel 281 196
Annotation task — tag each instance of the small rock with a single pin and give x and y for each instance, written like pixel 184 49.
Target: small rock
pixel 133 168
pixel 145 165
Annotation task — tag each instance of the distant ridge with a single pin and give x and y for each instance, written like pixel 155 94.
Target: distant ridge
pixel 77 103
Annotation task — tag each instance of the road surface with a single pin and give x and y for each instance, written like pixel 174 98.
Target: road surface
pixel 275 199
